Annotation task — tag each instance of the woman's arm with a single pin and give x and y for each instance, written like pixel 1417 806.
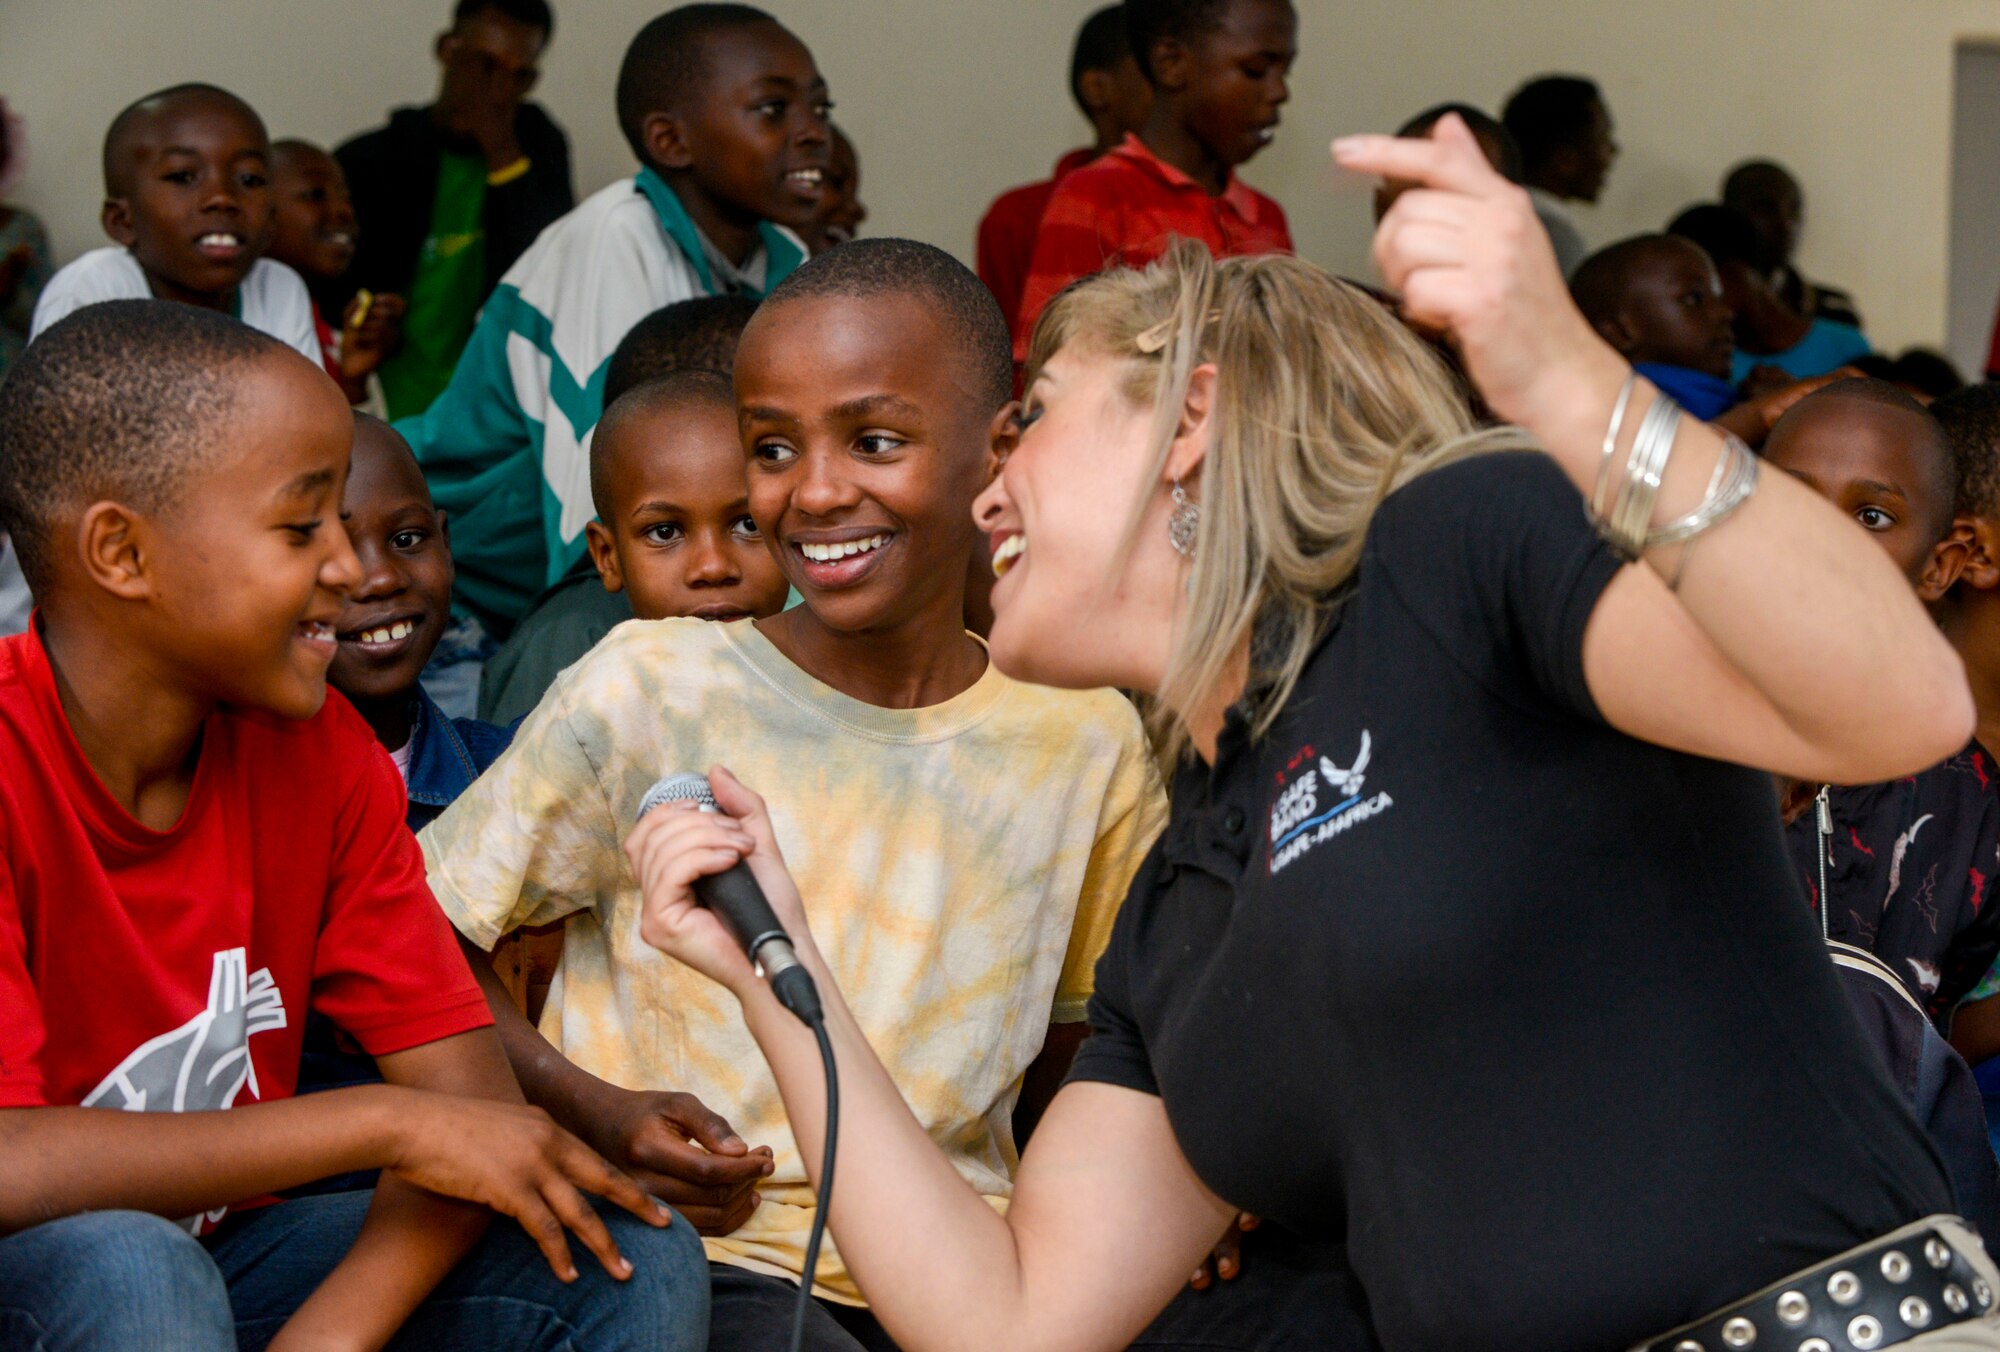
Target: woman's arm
pixel 1792 644
pixel 1106 1220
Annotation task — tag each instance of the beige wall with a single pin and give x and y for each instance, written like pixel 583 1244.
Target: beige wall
pixel 952 100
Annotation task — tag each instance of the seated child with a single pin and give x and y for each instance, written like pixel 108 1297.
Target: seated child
pixel 569 618
pixel 391 620
pixel 841 212
pixel 966 838
pixel 1901 870
pixel 1657 299
pixel 1113 96
pixel 673 529
pixel 711 211
pixel 187 198
pixel 394 617
pixel 1768 331
pixel 1218 75
pixel 313 232
pixel 197 848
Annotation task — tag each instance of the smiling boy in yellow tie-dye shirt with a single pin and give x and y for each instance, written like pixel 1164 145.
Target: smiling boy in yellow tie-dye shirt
pixel 965 839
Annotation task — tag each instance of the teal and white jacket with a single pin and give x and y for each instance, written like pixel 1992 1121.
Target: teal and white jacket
pixel 506 447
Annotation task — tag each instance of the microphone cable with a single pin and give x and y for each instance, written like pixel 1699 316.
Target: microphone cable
pixel 818 1026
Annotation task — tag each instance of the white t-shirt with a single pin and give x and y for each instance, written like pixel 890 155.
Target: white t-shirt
pixel 273 298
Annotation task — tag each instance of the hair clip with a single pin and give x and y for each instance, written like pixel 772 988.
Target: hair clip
pixel 1155 338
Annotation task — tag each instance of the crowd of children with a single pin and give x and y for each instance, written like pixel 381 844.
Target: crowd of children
pixel 681 474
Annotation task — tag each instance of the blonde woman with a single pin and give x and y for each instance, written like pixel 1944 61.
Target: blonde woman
pixel 1471 942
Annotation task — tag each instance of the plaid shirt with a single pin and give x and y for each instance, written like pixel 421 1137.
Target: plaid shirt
pixel 1124 210
pixel 1007 233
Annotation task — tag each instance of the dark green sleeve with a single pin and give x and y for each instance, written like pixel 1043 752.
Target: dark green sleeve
pixel 563 626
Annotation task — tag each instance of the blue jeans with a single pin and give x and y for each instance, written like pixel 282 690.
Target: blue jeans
pixel 123 1280
pixel 111 1279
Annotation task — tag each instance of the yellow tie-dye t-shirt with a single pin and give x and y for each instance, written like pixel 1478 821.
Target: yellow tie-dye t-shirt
pixel 960 864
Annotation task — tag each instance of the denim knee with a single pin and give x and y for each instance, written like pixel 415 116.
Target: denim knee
pixel 665 1304
pixel 113 1279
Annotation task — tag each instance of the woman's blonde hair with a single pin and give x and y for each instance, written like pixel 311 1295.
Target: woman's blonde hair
pixel 1324 404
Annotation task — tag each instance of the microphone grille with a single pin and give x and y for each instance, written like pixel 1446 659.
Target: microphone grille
pixel 678 788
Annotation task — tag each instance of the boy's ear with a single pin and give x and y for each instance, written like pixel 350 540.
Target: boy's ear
pixel 112 541
pixel 116 218
pixel 1191 437
pixel 1094 90
pixel 1982 552
pixel 1618 333
pixel 666 140
pixel 1946 563
pixel 604 556
pixel 1169 61
pixel 1002 436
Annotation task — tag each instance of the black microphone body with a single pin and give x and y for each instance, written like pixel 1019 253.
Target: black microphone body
pixel 739 903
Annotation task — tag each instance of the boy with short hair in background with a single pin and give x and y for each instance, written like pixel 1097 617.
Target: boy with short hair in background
pixel 313 232
pixel 727 115
pixel 965 839
pixel 198 846
pixel 568 620
pixel 1112 93
pixel 1218 70
pixel 187 197
pixel 1658 300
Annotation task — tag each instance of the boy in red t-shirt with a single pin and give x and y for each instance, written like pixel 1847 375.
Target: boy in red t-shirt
pixel 1112 92
pixel 1218 71
pixel 197 846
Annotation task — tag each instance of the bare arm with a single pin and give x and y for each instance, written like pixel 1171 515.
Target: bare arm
pixel 411 1238
pixel 60 1161
pixel 1793 644
pixel 671 1143
pixel 1107 1219
pixel 487 1150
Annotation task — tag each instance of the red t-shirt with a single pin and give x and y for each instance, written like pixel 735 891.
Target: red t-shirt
pixel 1124 210
pixel 1007 233
pixel 170 971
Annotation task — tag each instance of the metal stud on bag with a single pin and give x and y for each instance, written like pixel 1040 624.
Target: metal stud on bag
pixel 1739 1333
pixel 1184 523
pixel 1793 1309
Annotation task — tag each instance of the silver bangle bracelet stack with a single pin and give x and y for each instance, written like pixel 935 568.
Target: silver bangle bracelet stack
pixel 1625 521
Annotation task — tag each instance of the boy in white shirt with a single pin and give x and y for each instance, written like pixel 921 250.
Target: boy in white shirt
pixel 187 198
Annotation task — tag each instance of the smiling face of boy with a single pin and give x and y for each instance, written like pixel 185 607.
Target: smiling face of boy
pixel 396 613
pixel 868 439
pixel 313 225
pixel 188 182
pixel 756 143
pixel 249 567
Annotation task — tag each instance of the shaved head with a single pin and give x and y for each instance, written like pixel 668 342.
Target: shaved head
pixel 141 118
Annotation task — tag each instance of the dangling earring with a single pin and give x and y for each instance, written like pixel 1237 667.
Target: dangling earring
pixel 1181 526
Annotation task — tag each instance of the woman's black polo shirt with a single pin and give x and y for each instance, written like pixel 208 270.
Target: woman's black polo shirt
pixel 1531 1013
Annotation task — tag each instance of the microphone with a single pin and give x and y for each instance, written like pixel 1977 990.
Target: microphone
pixel 739 903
